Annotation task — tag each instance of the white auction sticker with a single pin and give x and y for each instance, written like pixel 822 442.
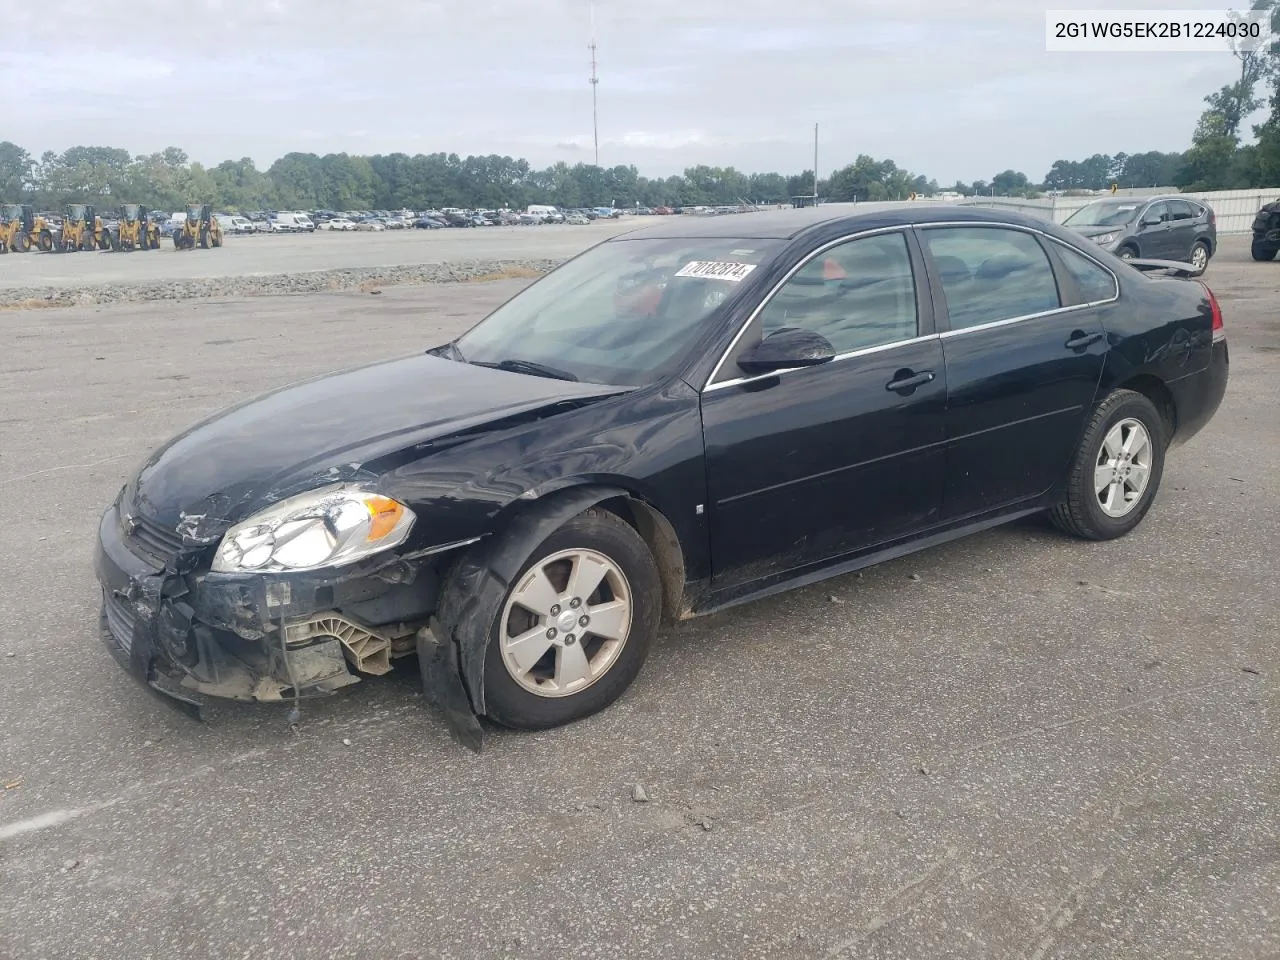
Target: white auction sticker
pixel 1156 31
pixel 716 270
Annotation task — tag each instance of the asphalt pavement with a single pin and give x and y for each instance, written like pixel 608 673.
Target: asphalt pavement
pixel 1014 746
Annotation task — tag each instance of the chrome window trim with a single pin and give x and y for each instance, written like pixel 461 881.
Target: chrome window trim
pixel 710 383
pixel 738 381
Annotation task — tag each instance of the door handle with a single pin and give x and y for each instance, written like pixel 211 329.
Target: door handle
pixel 909 381
pixel 1081 339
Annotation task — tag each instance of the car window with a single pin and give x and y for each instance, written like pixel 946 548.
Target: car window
pixel 1095 282
pixel 624 312
pixel 1181 210
pixel 858 294
pixel 1157 211
pixel 991 273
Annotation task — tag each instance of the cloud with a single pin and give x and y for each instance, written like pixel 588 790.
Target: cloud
pixel 950 88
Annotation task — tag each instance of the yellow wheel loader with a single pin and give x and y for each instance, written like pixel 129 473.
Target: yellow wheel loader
pixel 137 231
pixel 21 229
pixel 82 230
pixel 200 227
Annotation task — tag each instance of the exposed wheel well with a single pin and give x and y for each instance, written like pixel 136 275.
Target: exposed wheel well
pixel 1154 390
pixel 660 537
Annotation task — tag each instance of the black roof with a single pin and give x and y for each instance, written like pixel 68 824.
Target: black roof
pixel 785 224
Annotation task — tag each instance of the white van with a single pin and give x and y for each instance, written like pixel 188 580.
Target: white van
pixel 294 223
pixel 547 213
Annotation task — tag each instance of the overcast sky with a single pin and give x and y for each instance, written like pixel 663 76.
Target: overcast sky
pixel 955 89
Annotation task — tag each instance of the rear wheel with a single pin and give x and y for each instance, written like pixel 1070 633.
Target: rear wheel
pixel 1262 252
pixel 46 241
pixel 1116 471
pixel 22 242
pixel 1199 257
pixel 575 626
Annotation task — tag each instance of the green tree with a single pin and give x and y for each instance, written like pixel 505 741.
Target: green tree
pixel 16 171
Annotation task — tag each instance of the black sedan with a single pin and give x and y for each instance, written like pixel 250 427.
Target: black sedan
pixel 682 418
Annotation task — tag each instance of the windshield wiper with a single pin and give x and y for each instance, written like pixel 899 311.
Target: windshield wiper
pixel 527 366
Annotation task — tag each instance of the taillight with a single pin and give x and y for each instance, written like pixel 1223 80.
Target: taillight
pixel 1219 331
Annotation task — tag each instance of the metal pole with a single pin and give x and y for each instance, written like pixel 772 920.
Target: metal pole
pixel 815 164
pixel 595 83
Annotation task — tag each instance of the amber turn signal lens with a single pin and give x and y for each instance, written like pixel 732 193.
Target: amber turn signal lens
pixel 385 513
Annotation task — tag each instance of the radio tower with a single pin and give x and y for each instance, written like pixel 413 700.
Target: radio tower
pixel 595 82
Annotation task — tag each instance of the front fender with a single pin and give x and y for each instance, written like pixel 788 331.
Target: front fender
pixel 452 659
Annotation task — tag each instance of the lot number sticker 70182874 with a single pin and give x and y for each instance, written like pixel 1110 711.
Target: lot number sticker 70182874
pixel 716 270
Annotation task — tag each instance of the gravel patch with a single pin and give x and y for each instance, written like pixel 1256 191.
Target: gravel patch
pixel 276 284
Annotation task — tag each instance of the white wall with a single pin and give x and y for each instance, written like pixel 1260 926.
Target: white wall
pixel 1235 209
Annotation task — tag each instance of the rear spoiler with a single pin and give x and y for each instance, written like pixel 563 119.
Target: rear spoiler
pixel 1168 267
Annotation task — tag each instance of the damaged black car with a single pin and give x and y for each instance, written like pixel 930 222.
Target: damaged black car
pixel 683 418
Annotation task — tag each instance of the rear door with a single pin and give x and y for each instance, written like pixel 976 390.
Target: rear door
pixel 1183 225
pixel 1024 351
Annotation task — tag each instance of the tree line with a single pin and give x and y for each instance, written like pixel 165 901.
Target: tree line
pixel 1217 159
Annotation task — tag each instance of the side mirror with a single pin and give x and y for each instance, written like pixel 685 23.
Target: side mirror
pixel 787 348
pixel 1151 221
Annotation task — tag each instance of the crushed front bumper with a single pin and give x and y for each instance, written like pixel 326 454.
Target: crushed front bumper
pixel 224 643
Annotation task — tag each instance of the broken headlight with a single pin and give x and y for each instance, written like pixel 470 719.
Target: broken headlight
pixel 328 527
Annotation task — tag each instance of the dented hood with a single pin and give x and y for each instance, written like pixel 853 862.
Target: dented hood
pixel 326 429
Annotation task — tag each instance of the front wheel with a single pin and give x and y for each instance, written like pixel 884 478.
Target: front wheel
pixel 46 241
pixel 1116 471
pixel 1127 253
pixel 1262 252
pixel 575 627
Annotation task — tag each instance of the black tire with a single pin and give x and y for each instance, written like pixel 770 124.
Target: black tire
pixel 510 704
pixel 1081 513
pixel 1262 252
pixel 1191 257
pixel 46 241
pixel 1127 252
pixel 22 242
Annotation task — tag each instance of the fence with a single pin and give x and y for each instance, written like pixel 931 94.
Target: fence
pixel 1235 209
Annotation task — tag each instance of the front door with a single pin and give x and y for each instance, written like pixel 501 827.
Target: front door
pixel 1023 364
pixel 815 463
pixel 1156 240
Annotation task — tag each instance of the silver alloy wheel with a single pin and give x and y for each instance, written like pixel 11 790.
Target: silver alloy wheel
pixel 1126 253
pixel 565 623
pixel 1199 256
pixel 1123 469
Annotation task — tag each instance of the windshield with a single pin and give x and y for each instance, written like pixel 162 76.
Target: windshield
pixel 622 313
pixel 10 212
pixel 77 212
pixel 1108 213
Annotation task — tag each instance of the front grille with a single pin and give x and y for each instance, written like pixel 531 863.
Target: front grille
pixel 120 620
pixel 151 539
